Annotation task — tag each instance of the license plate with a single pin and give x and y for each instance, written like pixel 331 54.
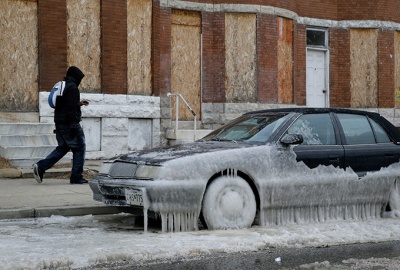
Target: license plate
pixel 134 196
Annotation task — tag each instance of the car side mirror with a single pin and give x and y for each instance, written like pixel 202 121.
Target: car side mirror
pixel 288 139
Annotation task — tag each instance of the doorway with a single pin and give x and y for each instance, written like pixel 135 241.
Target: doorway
pixel 317 59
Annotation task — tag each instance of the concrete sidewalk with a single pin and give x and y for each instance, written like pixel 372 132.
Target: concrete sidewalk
pixel 22 197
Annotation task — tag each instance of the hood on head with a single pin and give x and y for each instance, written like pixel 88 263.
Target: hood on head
pixel 76 74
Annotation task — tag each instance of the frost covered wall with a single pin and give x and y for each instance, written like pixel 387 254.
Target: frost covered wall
pixel 114 124
pixel 18 56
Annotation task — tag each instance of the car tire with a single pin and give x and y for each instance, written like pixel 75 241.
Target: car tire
pixel 229 203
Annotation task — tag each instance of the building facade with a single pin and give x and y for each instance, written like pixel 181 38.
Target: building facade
pixel 223 57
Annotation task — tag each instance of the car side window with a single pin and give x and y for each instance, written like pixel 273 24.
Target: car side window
pixel 316 129
pixel 356 128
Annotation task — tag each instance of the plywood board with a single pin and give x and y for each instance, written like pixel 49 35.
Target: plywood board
pixel 185 38
pixel 84 41
pixel 139 47
pixel 18 56
pixel 285 60
pixel 240 58
pixel 364 68
pixel 397 66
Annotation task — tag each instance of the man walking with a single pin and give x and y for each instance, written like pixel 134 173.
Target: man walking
pixel 69 133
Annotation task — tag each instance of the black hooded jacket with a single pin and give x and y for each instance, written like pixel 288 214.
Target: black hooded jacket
pixel 68 110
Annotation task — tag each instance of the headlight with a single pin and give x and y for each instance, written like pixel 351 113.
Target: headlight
pixel 122 170
pixel 105 168
pixel 146 172
pixel 149 172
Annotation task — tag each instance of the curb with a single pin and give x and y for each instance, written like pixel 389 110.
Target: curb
pixel 13 173
pixel 28 173
pixel 10 173
pixel 59 211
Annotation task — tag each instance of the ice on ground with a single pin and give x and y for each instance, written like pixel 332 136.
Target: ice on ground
pixel 74 242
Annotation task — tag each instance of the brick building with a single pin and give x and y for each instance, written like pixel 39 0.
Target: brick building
pixel 224 57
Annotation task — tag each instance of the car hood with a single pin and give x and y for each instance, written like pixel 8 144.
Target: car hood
pixel 162 155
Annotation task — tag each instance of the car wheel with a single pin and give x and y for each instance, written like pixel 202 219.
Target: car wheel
pixel 229 203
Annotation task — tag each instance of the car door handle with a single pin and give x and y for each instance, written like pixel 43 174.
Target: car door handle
pixel 334 159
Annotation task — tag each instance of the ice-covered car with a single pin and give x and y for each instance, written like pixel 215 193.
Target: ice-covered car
pixel 268 167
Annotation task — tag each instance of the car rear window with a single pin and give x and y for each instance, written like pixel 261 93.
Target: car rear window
pixel 380 134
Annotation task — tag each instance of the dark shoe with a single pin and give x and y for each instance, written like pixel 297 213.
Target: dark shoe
pixel 79 182
pixel 37 173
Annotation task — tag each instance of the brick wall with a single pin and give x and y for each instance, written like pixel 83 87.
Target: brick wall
pixel 164 36
pixel 299 68
pixel 267 76
pixel 388 10
pixel 161 49
pixel 339 68
pixel 52 42
pixel 155 45
pixel 386 86
pixel 52 47
pixel 213 57
pixel 317 9
pixel 114 46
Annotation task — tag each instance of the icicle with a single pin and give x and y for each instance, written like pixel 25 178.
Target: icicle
pixel 312 214
pixel 163 222
pixel 146 204
pixel 145 217
pixel 179 222
pixel 170 222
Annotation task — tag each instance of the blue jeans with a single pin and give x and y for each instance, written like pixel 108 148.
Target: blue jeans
pixel 66 142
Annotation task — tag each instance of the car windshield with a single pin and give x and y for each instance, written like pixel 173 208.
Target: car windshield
pixel 250 128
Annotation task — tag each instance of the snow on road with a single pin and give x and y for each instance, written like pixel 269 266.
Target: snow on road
pixel 75 242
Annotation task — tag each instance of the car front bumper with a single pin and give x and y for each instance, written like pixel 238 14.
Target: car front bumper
pixel 162 196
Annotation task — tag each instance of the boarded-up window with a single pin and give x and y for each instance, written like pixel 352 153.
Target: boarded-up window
pixel 397 66
pixel 84 41
pixel 139 47
pixel 240 55
pixel 364 68
pixel 18 56
pixel 185 38
pixel 285 66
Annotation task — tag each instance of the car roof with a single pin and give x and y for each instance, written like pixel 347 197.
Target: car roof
pixel 313 110
pixel 394 133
